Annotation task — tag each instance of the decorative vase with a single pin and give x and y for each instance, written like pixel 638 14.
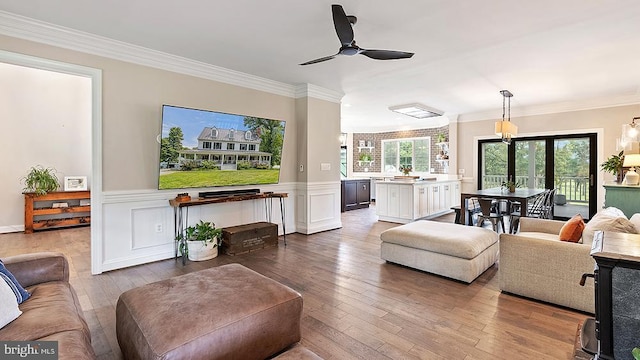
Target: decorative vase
pixel 512 188
pixel 199 252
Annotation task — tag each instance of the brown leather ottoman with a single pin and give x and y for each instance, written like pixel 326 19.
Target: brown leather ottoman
pixel 226 312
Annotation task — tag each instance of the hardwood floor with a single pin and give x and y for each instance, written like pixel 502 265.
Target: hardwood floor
pixel 356 306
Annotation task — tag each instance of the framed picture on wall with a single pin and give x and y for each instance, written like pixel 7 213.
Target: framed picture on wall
pixel 361 143
pixel 75 183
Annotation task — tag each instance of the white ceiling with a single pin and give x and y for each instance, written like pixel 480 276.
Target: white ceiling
pixel 560 54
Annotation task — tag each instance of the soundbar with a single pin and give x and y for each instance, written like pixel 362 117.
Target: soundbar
pixel 214 194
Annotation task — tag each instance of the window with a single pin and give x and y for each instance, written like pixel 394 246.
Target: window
pixel 206 144
pixel 247 135
pixel 414 152
pixel 217 146
pixel 214 133
pixel 231 146
pixel 243 147
pixel 252 147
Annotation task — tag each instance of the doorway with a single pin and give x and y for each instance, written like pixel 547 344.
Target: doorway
pixel 566 163
pixel 94 140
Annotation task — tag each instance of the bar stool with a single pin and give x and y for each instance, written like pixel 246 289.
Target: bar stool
pixel 487 214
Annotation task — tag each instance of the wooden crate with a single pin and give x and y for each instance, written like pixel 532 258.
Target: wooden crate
pixel 244 238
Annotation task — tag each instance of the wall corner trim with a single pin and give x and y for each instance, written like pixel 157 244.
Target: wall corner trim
pixel 314 91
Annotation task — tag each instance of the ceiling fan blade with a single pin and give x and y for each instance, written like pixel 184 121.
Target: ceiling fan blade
pixel 342 25
pixel 319 60
pixel 386 54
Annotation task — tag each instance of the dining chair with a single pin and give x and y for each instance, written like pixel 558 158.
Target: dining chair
pixel 537 207
pixel 488 214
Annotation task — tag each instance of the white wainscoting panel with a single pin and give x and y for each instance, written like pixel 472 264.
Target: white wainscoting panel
pixel 318 206
pixel 138 226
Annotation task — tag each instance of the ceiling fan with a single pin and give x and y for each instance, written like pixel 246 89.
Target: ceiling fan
pixel 343 25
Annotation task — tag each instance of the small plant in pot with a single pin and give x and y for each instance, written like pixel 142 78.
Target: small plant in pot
pixel 510 185
pixel 40 180
pixel 613 165
pixel 202 241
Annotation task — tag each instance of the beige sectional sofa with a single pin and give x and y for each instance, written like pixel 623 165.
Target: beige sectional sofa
pixel 534 263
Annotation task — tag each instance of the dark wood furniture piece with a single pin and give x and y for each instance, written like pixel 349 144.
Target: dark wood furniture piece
pixel 520 195
pixel 356 194
pixel 39 212
pixel 617 281
pixel 181 212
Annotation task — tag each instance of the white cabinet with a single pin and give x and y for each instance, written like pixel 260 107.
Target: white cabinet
pixel 382 199
pixel 421 207
pixel 403 202
pixel 455 193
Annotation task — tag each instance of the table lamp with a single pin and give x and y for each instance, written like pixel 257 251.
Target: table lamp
pixel 633 161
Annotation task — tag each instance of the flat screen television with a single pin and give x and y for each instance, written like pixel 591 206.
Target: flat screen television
pixel 201 148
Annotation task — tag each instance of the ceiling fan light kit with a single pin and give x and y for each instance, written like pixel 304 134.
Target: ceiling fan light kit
pixel 343 24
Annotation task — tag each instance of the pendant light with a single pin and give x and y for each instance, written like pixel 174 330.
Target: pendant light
pixel 505 128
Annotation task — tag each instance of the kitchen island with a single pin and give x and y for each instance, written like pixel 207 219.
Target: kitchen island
pixel 403 200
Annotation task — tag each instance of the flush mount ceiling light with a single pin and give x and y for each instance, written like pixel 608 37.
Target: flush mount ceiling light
pixel 416 110
pixel 505 128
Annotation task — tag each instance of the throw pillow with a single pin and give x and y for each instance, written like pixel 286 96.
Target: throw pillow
pixel 7 276
pixel 8 304
pixel 572 230
pixel 607 223
pixel 635 220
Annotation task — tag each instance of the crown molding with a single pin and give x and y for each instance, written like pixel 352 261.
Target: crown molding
pixel 309 90
pixel 553 108
pixel 42 32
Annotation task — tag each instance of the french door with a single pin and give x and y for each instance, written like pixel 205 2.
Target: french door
pixel 563 162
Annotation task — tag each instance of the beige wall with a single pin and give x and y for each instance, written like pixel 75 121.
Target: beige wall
pixel 131 117
pixel 609 120
pixel 323 141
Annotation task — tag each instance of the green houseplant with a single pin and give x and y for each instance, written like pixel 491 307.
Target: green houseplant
pixel 613 165
pixel 510 185
pixel 201 241
pixel 365 157
pixel 40 180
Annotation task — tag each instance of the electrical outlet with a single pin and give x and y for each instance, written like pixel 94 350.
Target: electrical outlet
pixel 158 228
pixel 301 168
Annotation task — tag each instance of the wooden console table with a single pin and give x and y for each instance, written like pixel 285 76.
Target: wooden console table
pixel 76 212
pixel 181 212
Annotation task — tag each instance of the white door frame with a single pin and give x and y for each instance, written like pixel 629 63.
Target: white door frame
pixel 96 137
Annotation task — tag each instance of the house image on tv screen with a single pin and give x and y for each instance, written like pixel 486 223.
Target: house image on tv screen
pixel 225 148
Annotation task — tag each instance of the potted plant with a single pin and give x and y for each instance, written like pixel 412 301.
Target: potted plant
pixel 406 169
pixel 441 138
pixel 40 180
pixel 202 241
pixel 613 165
pixel 365 157
pixel 510 185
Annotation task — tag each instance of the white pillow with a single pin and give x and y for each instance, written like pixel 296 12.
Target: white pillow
pixel 635 220
pixel 603 221
pixel 8 304
pixel 613 212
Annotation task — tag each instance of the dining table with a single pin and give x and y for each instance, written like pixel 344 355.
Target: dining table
pixel 522 195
